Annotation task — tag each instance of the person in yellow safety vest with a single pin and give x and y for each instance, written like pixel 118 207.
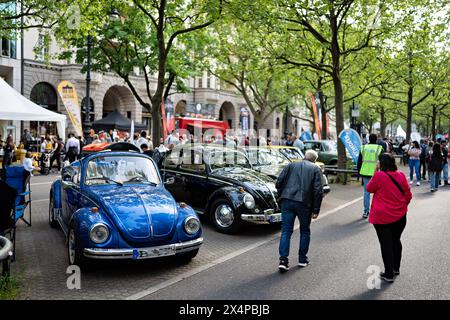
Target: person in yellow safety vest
pixel 367 164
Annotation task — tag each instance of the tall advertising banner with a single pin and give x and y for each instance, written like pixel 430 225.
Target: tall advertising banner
pixel 316 115
pixel 352 142
pixel 69 97
pixel 170 115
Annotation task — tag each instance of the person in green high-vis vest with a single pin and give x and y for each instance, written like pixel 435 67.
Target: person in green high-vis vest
pixel 367 165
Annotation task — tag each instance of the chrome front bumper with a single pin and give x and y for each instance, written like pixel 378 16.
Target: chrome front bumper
pixel 268 216
pixel 143 253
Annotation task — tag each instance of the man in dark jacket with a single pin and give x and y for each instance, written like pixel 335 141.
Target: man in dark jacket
pixel 444 162
pixel 300 190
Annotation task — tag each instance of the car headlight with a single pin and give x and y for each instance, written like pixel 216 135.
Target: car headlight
pixel 191 225
pixel 99 233
pixel 249 201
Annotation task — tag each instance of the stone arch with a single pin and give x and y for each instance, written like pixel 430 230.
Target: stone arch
pixel 227 112
pixel 45 95
pixel 118 98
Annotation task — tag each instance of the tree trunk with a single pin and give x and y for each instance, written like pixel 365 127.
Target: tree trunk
pixel 433 121
pixel 323 111
pixel 156 121
pixel 383 124
pixel 409 113
pixel 338 92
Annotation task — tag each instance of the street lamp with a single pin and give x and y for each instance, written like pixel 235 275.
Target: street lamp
pixel 114 15
pixel 87 101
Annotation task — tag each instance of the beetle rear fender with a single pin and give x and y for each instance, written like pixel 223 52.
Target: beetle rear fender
pixel 232 194
pixel 55 192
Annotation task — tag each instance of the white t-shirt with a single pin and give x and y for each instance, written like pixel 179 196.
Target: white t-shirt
pixel 28 165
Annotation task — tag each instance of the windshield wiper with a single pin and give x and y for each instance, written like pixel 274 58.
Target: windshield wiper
pixel 140 179
pixel 107 180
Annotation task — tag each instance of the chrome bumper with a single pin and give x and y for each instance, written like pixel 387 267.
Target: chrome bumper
pixel 268 216
pixel 143 253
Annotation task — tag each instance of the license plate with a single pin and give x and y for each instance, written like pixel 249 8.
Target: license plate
pixel 153 253
pixel 273 219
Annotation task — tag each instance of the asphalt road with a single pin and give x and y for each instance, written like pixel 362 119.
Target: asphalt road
pixel 342 249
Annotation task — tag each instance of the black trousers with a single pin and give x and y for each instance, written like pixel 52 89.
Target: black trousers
pixel 391 247
pixel 423 168
pixel 57 157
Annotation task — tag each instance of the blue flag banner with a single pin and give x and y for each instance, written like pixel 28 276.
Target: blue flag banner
pixel 305 136
pixel 352 142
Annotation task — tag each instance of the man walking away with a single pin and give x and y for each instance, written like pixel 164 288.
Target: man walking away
pixel 367 163
pixel 435 166
pixel 57 147
pixel 298 143
pixel 423 158
pixel 72 148
pixel 300 188
pixel 444 161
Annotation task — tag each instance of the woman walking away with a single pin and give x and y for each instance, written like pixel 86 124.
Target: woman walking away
pixel 414 162
pixel 435 166
pixel 392 195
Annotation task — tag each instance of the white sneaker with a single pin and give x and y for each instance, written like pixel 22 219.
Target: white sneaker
pixel 418 184
pixel 411 182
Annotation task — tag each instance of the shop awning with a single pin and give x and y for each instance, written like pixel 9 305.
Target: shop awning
pixel 14 106
pixel 183 123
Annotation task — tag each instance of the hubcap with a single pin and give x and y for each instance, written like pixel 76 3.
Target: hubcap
pixel 224 215
pixel 71 246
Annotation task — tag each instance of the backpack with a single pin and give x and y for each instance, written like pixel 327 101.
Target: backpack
pixel 423 152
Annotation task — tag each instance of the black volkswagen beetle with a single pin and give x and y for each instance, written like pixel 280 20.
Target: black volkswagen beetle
pixel 220 183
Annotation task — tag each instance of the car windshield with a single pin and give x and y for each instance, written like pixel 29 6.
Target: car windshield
pixel 264 157
pixel 121 170
pixel 330 146
pixel 292 154
pixel 222 159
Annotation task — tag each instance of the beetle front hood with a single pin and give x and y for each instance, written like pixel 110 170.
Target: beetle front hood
pixel 142 214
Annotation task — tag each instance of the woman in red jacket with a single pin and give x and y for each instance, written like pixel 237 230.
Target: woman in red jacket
pixel 392 195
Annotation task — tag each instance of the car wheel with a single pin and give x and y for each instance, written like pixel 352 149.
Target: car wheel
pixel 224 217
pixel 51 213
pixel 75 253
pixel 188 256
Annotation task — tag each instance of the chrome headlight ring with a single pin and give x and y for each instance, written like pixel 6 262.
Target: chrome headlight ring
pixel 99 233
pixel 191 225
pixel 249 201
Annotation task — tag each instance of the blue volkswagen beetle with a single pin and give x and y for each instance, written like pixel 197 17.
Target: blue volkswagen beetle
pixel 113 205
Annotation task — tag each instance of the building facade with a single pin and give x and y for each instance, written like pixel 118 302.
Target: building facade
pixel 208 98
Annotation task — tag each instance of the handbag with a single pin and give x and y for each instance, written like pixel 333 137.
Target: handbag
pixel 396 184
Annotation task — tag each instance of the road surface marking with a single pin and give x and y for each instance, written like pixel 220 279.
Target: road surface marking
pixel 190 273
pixel 39 200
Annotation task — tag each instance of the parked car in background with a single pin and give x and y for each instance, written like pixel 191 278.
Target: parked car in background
pixel 272 160
pixel 327 151
pixel 221 184
pixel 113 205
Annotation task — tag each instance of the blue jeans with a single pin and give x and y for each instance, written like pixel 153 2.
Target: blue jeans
pixel 414 165
pixel 366 195
pixel 289 210
pixel 434 179
pixel 445 172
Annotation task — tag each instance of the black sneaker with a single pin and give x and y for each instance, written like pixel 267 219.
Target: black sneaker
pixel 396 272
pixel 283 265
pixel 303 264
pixel 385 278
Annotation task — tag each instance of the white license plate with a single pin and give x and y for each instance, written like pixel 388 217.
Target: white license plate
pixel 273 219
pixel 153 253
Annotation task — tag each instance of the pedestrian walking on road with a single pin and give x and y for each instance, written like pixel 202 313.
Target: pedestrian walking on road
pixel 367 163
pixel 300 188
pixel 392 196
pixel 414 162
pixel 72 148
pixel 435 166
pixel 423 159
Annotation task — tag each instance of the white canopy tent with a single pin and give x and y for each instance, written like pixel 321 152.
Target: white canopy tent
pixel 401 132
pixel 14 106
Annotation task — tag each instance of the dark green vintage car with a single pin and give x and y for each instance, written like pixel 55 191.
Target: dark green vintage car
pixel 327 150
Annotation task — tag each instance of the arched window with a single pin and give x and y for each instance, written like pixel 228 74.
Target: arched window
pixel 44 95
pixel 277 124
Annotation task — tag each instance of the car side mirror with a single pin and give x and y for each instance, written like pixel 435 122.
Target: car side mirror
pixel 170 180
